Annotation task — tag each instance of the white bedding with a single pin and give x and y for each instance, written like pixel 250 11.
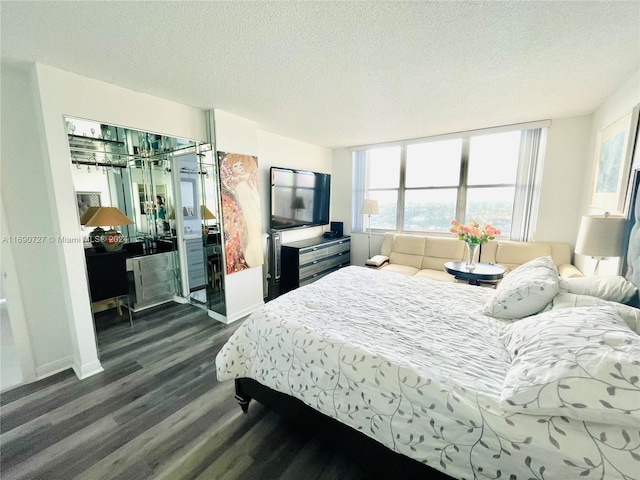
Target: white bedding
pixel 415 364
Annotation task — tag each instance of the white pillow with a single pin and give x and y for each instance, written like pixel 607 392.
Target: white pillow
pixel 525 291
pixel 581 363
pixel 613 288
pixel 629 314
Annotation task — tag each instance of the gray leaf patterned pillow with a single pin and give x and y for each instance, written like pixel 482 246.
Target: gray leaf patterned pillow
pixel 630 315
pixel 525 291
pixel 580 362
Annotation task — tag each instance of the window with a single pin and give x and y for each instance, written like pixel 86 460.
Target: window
pixel 422 185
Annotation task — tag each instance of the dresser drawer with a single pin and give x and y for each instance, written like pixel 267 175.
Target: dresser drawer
pixel 310 255
pixel 343 246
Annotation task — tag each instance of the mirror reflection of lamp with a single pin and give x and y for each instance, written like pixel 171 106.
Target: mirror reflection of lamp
pixel 206 215
pixel 297 204
pixel 111 240
pixel 88 213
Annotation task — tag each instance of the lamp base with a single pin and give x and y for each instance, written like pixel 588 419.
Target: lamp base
pixel 96 237
pixel 113 241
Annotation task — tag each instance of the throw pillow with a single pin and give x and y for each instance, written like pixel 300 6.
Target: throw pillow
pixel 525 291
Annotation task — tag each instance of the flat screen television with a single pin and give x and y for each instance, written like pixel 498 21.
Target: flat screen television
pixel 299 198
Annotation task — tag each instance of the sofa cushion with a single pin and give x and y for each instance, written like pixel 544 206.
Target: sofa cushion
pixel 511 255
pixel 408 250
pixel 441 250
pixel 435 275
pixel 559 252
pixel 398 268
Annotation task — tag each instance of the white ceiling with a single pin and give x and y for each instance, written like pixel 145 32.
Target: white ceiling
pixel 344 73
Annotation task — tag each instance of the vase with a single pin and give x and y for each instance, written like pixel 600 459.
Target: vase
pixel 471 255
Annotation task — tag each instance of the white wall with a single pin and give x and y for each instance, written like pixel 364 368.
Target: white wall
pixel 561 190
pixel 278 151
pixel 615 107
pixel 53 283
pixel 34 282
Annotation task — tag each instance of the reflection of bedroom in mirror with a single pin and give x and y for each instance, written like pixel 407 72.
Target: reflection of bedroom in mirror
pixel 134 172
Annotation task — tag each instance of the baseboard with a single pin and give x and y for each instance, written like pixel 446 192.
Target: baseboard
pixel 179 299
pixel 54 367
pixel 88 369
pixel 244 312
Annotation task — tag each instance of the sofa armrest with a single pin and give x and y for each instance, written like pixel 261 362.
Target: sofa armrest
pixel 377 261
pixel 569 271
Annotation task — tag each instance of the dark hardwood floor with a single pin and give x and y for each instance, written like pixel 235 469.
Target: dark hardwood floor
pixel 157 411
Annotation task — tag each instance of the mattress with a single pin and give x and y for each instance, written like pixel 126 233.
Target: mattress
pixel 414 364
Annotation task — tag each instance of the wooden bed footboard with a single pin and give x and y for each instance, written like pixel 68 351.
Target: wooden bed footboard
pixel 371 455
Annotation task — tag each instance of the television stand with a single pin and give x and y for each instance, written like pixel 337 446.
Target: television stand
pixel 306 261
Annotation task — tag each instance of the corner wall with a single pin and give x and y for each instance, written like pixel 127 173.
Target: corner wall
pixel 53 279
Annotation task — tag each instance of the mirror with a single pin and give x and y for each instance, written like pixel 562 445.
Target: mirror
pixel 160 184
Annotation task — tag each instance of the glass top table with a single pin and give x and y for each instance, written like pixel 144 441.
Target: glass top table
pixel 482 272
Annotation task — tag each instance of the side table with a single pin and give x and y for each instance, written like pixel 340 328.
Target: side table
pixel 483 272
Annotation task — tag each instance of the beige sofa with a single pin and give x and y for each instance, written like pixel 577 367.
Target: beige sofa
pixel 425 256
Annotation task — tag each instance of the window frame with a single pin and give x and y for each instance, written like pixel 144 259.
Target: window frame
pixel 462 187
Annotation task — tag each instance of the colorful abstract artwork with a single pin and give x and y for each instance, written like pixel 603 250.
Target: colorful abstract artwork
pixel 242 222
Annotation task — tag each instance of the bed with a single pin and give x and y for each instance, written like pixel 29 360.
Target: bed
pixel 537 379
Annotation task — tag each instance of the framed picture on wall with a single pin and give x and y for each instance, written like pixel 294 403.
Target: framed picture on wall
pixel 189 193
pixel 613 163
pixel 86 200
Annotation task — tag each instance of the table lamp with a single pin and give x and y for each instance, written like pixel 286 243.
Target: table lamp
pixel 111 240
pixel 206 214
pixel 600 236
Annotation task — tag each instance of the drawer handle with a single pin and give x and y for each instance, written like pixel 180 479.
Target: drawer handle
pixel 314 262
pixel 340 254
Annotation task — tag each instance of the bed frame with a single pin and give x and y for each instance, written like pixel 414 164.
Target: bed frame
pixel 372 454
pixel 373 457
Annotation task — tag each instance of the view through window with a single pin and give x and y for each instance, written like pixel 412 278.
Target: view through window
pixel 422 186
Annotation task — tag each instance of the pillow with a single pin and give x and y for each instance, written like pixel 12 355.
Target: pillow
pixel 613 288
pixel 575 362
pixel 630 315
pixel 525 291
pixel 377 260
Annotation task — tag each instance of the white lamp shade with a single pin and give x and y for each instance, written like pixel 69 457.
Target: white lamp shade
pixel 600 236
pixel 370 207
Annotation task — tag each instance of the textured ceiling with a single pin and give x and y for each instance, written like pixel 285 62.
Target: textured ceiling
pixel 344 73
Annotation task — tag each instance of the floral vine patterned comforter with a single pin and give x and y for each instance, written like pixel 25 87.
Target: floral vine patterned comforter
pixel 414 364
